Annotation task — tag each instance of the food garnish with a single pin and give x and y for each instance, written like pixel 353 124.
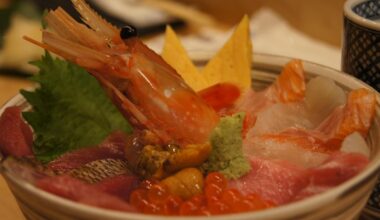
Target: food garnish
pixel 232 64
pixel 227 154
pixel 176 56
pixel 70 109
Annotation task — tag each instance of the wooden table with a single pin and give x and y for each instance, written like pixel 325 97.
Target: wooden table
pixel 303 15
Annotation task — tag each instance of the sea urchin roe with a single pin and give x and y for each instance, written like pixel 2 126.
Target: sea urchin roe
pixel 158 161
pixel 186 183
pixel 216 198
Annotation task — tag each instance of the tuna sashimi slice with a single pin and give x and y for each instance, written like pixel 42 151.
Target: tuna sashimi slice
pixel 274 181
pixel 112 147
pixel 76 190
pixel 16 137
pixel 120 186
pixel 339 168
pixel 281 182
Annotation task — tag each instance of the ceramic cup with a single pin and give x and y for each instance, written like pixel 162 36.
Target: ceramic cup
pixel 361 58
pixel 361 41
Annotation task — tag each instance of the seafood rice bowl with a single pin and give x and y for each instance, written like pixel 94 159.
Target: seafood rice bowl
pixel 116 131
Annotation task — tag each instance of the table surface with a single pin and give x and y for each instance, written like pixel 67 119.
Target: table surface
pixel 304 16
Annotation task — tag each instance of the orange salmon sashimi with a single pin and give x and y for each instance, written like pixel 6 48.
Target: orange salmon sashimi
pixel 311 147
pixel 356 115
pixel 148 91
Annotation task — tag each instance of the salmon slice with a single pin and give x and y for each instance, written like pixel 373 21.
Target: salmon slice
pixel 290 84
pixel 356 115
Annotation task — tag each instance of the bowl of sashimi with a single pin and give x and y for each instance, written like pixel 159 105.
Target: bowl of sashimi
pixel 302 143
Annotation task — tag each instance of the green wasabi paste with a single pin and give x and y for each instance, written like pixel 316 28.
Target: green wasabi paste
pixel 227 154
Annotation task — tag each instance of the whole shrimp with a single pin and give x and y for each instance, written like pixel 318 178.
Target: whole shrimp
pixel 149 92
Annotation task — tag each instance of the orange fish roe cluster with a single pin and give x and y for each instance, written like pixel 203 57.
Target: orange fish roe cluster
pixel 153 198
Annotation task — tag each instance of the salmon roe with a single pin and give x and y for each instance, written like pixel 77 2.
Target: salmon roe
pixel 151 197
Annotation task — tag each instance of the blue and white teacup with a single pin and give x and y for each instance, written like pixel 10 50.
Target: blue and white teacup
pixel 361 41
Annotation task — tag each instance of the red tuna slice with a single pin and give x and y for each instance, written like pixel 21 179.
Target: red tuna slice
pixel 16 137
pixel 112 147
pixel 76 190
pixel 120 186
pixel 275 181
pixel 339 168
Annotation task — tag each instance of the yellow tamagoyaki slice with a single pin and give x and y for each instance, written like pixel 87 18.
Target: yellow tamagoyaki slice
pixel 175 55
pixel 232 63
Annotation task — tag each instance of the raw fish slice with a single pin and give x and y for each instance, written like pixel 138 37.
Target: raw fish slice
pixel 339 168
pixel 112 147
pixel 279 117
pixel 322 97
pixel 24 169
pixel 290 84
pixel 76 190
pixel 307 139
pixel 120 186
pixel 318 104
pixel 356 115
pixel 16 137
pixel 288 87
pixel 274 181
pixel 99 170
pixel 284 148
pixel 281 182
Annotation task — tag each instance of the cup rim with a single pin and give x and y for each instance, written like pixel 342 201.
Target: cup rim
pixel 351 15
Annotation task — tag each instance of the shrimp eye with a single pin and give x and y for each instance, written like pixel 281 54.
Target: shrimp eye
pixel 128 32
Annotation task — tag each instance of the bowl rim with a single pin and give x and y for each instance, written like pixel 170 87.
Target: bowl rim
pixel 364 22
pixel 307 205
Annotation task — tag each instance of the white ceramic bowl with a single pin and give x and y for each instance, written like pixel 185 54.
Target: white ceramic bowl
pixel 343 202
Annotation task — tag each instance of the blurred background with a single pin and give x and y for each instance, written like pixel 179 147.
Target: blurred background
pixel 285 25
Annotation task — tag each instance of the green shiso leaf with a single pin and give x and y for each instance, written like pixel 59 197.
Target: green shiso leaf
pixel 227 154
pixel 70 109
